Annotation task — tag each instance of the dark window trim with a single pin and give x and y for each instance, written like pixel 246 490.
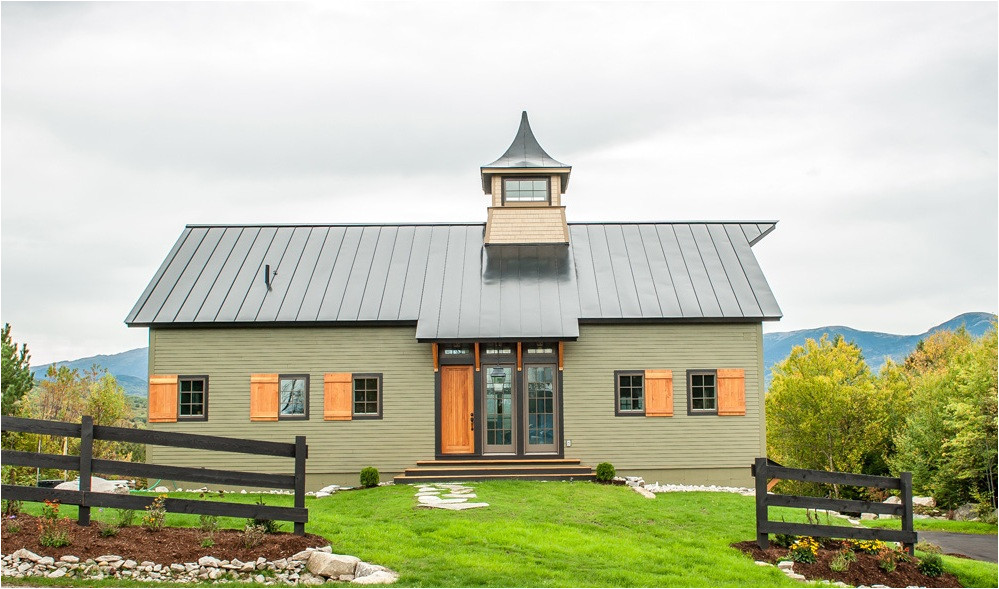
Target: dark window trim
pixel 548 190
pixel 690 410
pixel 204 398
pixel 617 393
pixel 376 375
pixel 308 385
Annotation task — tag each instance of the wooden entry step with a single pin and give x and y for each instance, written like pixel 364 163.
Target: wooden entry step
pixel 555 469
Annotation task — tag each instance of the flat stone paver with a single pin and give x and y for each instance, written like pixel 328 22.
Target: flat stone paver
pixel 450 496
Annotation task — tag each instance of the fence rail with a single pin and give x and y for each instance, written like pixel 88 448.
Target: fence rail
pixel 763 470
pixel 86 464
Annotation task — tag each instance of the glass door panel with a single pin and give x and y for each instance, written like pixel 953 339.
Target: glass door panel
pixel 541 417
pixel 499 407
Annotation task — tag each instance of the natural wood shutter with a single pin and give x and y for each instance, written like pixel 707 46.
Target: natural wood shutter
pixel 658 393
pixel 162 398
pixel 731 391
pixel 264 397
pixel 337 396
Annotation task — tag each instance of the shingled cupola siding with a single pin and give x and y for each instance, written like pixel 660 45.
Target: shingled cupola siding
pixel 522 347
pixel 526 185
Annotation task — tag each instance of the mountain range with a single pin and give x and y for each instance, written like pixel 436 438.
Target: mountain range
pixel 130 368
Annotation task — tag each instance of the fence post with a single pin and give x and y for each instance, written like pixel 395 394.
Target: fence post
pixel 301 453
pixel 905 480
pixel 761 503
pixel 86 456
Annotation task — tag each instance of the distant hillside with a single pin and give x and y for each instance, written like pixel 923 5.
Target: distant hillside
pixel 130 368
pixel 875 346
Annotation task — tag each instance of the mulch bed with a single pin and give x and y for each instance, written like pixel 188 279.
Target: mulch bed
pixel 166 546
pixel 864 571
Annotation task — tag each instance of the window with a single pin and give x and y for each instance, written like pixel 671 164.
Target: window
pixel 193 397
pixel 497 349
pixel 367 396
pixel 456 350
pixel 293 396
pixel 540 348
pixel 525 190
pixel 629 392
pixel 702 392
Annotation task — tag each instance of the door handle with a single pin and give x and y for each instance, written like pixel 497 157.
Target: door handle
pixel 471 416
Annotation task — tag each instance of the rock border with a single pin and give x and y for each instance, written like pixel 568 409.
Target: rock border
pixel 312 566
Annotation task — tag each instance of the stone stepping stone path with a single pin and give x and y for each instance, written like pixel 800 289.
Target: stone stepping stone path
pixel 450 496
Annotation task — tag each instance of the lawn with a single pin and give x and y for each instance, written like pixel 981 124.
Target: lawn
pixel 935 525
pixel 553 535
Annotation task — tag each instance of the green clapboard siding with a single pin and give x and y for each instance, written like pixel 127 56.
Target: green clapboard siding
pixel 228 356
pixel 680 442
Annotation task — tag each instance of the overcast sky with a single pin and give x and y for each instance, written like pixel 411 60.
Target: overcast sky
pixel 869 131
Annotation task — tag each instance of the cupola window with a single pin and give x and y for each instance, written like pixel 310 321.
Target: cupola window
pixel 525 189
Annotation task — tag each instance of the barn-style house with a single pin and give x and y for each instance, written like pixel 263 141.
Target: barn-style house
pixel 524 346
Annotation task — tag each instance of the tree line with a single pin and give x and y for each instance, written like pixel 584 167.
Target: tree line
pixel 934 415
pixel 63 395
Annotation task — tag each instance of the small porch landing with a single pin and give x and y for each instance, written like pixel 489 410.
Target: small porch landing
pixel 535 469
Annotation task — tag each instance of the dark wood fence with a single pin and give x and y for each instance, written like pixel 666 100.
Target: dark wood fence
pixel 764 469
pixel 86 464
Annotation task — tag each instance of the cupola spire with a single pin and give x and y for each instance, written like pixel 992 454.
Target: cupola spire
pixel 526 185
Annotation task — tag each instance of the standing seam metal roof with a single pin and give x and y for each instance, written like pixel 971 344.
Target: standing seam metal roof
pixel 442 278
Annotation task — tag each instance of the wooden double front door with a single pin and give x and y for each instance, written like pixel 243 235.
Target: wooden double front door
pixel 499 410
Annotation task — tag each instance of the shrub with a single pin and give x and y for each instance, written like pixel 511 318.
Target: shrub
pixel 51 531
pixel 605 472
pixel 783 540
pixel 124 517
pixel 804 550
pixel 155 514
pixel 369 477
pixel 886 560
pixel 253 535
pixel 208 523
pixel 268 526
pixel 11 507
pixel 867 546
pixel 207 542
pixel 931 566
pixel 841 562
pixel 925 546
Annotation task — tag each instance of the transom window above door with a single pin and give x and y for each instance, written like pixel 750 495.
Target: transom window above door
pixel 525 189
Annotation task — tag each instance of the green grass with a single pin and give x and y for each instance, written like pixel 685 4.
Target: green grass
pixel 549 535
pixel 935 525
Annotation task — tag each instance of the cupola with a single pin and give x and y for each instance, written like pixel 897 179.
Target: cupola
pixel 526 185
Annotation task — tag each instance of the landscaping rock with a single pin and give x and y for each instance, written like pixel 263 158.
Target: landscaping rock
pixel 377 578
pixel 57 574
pixel 924 501
pixel 363 569
pixel 97 485
pixel 208 561
pixel 894 500
pixel 70 558
pixel 967 512
pixel 331 565
pixel 25 554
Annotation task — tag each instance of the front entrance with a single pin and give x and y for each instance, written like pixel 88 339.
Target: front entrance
pixel 456 409
pixel 498 410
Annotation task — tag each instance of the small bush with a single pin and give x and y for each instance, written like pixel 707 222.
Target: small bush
pixel 886 560
pixel 124 517
pixel 605 472
pixel 931 566
pixel 841 563
pixel 207 542
pixel 369 477
pixel 14 528
pixel 804 550
pixel 155 514
pixel 11 507
pixel 849 555
pixel 269 526
pixel 253 535
pixel 929 547
pixel 868 546
pixel 208 523
pixel 51 531
pixel 783 540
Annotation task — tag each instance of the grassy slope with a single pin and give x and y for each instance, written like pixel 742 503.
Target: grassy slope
pixel 935 525
pixel 554 534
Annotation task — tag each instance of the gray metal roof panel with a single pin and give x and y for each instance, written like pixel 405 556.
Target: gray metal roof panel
pixel 525 151
pixel 442 278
